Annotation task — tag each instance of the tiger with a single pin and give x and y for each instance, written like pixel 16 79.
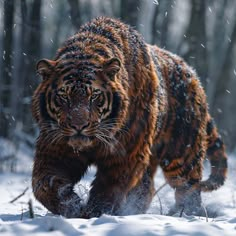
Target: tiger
pixel 110 100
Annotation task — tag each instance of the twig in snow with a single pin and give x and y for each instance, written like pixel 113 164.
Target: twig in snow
pixel 19 196
pixel 160 203
pixel 205 211
pixel 181 212
pixel 160 188
pixel 22 213
pixel 233 199
pixel 31 210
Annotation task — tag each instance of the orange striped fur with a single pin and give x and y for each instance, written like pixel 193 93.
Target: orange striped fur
pixel 109 99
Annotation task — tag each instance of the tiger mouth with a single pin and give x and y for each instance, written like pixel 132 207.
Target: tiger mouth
pixel 82 137
pixel 80 141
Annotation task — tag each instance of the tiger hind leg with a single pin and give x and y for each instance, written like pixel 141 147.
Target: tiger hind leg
pixel 187 200
pixel 186 183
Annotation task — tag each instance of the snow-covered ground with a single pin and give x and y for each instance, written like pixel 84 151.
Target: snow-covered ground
pixel 15 217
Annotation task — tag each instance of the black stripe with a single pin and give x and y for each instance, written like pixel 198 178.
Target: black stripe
pixel 108 99
pixel 102 32
pixel 54 84
pixel 178 91
pixel 90 39
pixel 189 167
pixel 64 71
pixel 106 109
pixel 69 48
pixel 222 163
pixel 88 64
pixel 193 181
pixel 216 180
pixel 79 75
pixel 143 47
pixel 49 102
pixel 65 64
pixel 218 144
pixel 133 41
pixel 70 76
pixel 115 106
pixel 164 164
pixel 43 108
pixel 101 102
pixel 101 52
pixel 210 126
pixel 79 56
pixel 137 42
pixel 159 149
pixel 57 104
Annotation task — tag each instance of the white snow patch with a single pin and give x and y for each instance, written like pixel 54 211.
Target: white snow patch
pixel 15 218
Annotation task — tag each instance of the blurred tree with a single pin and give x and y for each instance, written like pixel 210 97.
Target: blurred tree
pixel 222 89
pixel 203 32
pixel 129 11
pixel 59 20
pixel 17 88
pixel 195 40
pixel 161 22
pixel 218 47
pixel 75 13
pixel 31 49
pixel 7 67
pixel 154 23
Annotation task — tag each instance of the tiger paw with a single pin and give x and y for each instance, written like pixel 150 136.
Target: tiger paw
pixel 180 210
pixel 71 208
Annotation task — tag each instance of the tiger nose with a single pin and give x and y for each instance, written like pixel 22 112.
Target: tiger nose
pixel 80 127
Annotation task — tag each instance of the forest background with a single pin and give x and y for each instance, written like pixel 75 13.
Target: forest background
pixel 203 32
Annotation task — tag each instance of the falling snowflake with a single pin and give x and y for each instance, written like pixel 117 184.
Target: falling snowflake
pixel 156 2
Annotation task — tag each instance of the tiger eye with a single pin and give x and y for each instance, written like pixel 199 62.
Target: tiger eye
pixel 63 89
pixel 63 95
pixel 94 96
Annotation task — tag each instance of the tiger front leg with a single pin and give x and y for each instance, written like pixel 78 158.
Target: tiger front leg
pixel 140 197
pixel 53 184
pixel 111 187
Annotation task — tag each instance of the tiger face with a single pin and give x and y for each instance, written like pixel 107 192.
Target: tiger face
pixel 80 102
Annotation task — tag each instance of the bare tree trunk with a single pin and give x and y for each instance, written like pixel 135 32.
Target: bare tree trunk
pixel 165 24
pixel 59 21
pixel 32 54
pixel 17 88
pixel 7 65
pixel 195 40
pixel 218 49
pixel 115 8
pixel 154 25
pixel 129 11
pixel 222 81
pixel 75 13
pixel 159 27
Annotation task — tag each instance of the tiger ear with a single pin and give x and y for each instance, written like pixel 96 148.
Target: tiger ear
pixel 44 67
pixel 112 67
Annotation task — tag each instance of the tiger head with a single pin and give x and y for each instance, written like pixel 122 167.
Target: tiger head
pixel 79 102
